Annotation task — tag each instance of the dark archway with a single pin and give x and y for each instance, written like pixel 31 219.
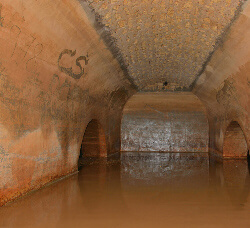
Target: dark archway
pixel 94 142
pixel 235 145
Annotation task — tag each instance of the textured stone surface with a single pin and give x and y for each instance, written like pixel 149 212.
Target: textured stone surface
pixel 173 122
pixel 165 39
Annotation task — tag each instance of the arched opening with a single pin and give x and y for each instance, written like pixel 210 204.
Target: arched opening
pixel 235 144
pixel 93 143
pixel 164 122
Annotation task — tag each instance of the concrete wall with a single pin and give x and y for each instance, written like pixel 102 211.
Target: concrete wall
pixel 224 86
pixel 56 74
pixel 173 122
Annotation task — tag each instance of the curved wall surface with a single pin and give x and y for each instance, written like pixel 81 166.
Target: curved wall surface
pixel 224 86
pixel 56 74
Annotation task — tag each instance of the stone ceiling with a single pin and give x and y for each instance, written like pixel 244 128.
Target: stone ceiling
pixel 166 40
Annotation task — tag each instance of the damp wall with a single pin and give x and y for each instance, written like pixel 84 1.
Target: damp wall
pixel 56 75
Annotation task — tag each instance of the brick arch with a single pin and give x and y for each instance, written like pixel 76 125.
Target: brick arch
pixel 235 144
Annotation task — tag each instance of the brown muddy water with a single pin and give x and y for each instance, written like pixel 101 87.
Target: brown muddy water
pixel 141 190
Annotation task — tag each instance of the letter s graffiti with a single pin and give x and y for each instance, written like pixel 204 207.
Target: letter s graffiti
pixel 69 71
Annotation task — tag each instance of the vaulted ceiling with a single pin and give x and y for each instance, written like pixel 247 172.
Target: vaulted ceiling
pixel 166 40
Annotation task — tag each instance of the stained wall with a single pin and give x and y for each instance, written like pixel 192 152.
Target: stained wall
pixel 56 74
pixel 224 86
pixel 165 121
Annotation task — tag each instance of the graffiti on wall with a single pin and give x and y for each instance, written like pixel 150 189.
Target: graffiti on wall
pixel 69 71
pixel 27 49
pixel 62 99
pixel 21 54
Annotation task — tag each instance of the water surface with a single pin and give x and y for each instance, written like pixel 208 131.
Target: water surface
pixel 141 190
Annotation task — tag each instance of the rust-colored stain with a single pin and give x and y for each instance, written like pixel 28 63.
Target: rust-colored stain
pixel 57 73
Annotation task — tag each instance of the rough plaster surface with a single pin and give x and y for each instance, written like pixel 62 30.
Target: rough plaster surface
pixel 224 87
pixel 56 75
pixel 172 122
pixel 165 40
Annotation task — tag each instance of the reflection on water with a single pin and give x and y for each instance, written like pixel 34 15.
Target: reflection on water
pixel 141 190
pixel 167 169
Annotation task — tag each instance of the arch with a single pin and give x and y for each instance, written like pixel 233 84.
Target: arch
pixel 235 144
pixel 94 141
pixel 165 122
